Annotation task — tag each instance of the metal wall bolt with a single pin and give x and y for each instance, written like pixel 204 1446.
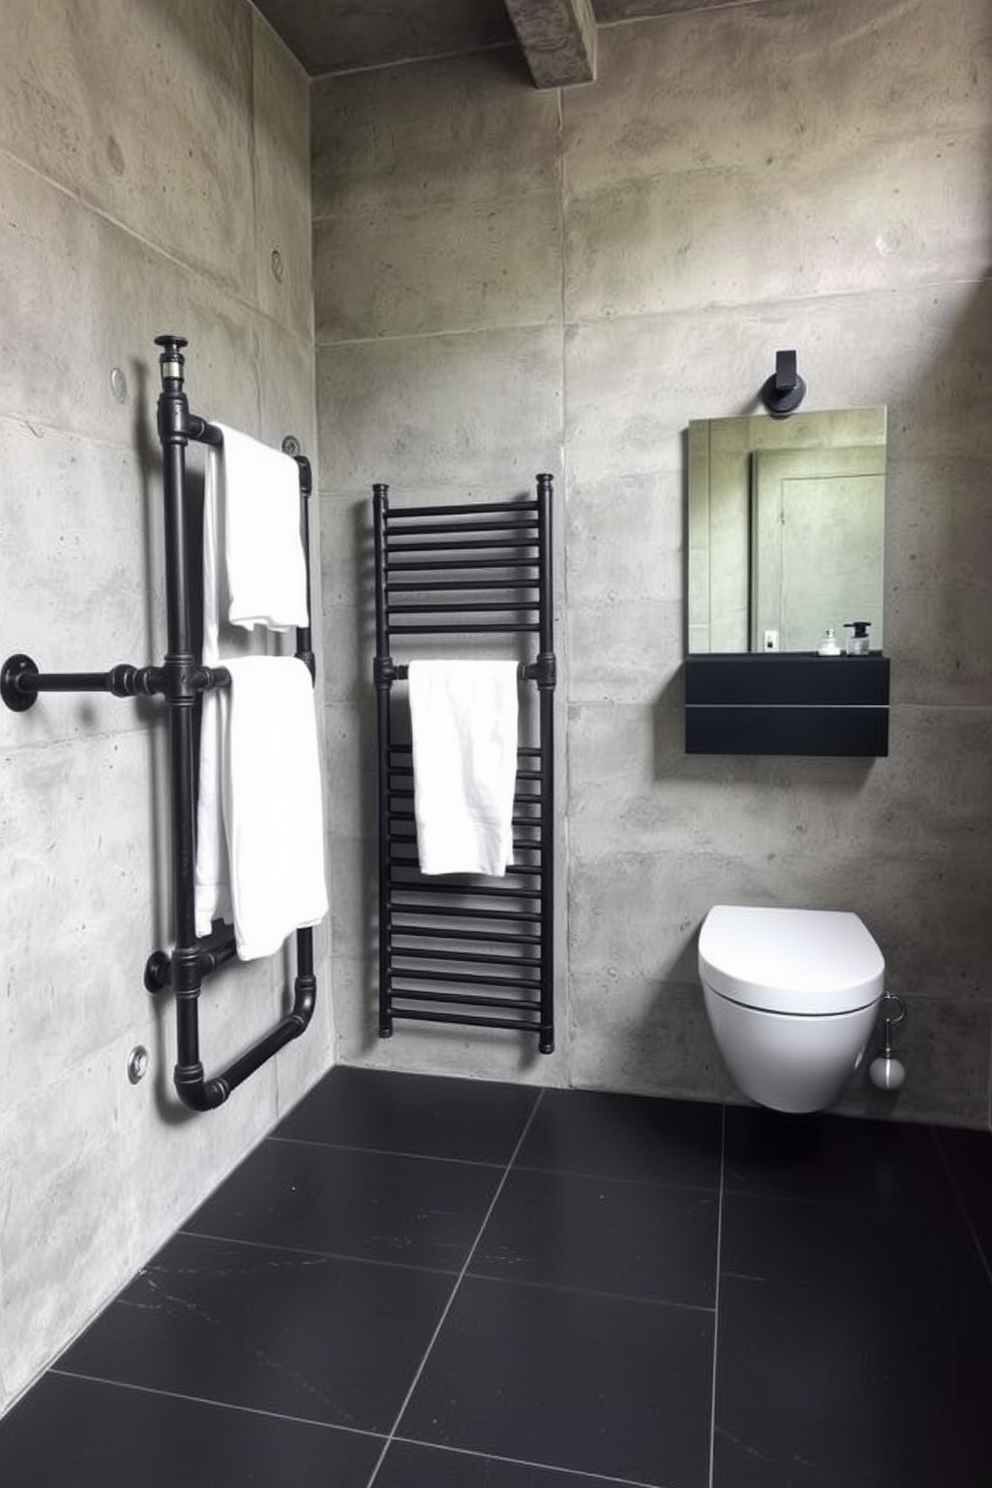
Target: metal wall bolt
pixel 138 1063
pixel 118 385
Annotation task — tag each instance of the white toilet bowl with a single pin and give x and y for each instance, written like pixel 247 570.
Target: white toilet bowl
pixel 792 996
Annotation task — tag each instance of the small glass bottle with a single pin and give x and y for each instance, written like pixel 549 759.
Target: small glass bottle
pixel 858 643
pixel 828 645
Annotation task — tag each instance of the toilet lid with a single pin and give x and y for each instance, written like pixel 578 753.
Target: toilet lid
pixel 790 960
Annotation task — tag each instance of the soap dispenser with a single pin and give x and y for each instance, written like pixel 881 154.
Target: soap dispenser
pixel 858 643
pixel 828 643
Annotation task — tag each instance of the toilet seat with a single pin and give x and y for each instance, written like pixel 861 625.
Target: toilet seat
pixel 799 961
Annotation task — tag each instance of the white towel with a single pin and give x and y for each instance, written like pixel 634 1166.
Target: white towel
pixel 264 870
pixel 464 717
pixel 255 491
pixel 264 516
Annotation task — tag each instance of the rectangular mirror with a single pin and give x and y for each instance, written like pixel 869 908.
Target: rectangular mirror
pixel 786 524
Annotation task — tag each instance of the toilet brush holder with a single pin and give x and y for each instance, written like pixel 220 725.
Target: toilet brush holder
pixel 886 1071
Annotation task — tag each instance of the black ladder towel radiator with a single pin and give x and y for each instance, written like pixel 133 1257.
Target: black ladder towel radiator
pixel 456 948
pixel 180 681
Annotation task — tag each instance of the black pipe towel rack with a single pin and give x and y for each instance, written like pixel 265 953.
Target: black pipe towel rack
pixel 180 681
pixel 466 949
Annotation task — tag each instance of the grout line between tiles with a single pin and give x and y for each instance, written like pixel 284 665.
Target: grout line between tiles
pixel 544 1468
pixel 207 1400
pixel 716 1294
pixel 585 1291
pixel 455 1289
pixel 465 1162
pixel 308 1253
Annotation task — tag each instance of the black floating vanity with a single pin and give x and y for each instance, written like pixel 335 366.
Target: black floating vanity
pixel 787 703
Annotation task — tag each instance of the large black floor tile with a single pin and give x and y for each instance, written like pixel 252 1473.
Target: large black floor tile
pixel 854 1350
pixel 626 1136
pixel 476 1120
pixel 342 1201
pixel 635 1239
pixel 408 1466
pixel 834 1159
pixel 969 1156
pixel 313 1337
pixel 88 1434
pixel 570 1379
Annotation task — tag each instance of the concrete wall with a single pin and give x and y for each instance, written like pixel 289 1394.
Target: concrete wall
pixel 508 281
pixel 152 157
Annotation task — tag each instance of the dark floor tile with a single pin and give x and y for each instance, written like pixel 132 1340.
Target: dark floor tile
pixel 855 1350
pixel 88 1434
pixel 969 1156
pixel 633 1239
pixel 408 1466
pixel 626 1136
pixel 834 1159
pixel 342 1201
pixel 314 1337
pixel 570 1379
pixel 428 1115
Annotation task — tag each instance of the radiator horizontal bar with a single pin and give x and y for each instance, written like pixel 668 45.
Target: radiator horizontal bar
pixel 467 544
pixel 467 999
pixel 412 630
pixel 470 958
pixel 456 565
pixel 489 937
pixel 517 1025
pixel 488 891
pixel 466 979
pixel 459 912
pixel 528 751
pixel 513 871
pixel 495 607
pixel 397 514
pixel 458 529
pixel 435 586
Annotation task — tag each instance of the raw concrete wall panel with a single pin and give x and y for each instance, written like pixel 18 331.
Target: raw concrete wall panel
pixel 140 147
pixel 739 179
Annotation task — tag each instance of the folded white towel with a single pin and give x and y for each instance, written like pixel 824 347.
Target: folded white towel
pixel 464 718
pixel 256 493
pixel 265 870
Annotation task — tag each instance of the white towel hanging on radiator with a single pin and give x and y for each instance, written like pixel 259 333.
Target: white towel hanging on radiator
pixel 258 500
pixel 251 759
pixel 464 721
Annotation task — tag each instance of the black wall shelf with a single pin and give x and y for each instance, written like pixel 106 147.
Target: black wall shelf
pixel 787 703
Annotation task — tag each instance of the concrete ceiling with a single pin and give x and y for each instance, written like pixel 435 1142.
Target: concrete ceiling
pixel 558 37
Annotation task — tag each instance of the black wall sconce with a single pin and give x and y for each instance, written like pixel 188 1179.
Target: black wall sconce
pixel 785 389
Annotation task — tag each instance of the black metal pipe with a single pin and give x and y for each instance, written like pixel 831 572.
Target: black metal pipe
pixel 205 1095
pixel 21 681
pixel 546 695
pixel 304 639
pixel 190 961
pixel 383 671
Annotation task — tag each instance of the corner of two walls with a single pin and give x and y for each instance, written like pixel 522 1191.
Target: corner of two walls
pixel 152 161
pixel 507 280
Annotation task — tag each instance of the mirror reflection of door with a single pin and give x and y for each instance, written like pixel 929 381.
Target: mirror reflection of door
pixel 722 611
pixel 818 522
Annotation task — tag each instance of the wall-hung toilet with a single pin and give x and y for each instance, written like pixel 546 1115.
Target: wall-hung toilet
pixel 792 996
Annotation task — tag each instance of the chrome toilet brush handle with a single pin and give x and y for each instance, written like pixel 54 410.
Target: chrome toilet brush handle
pixel 885 1070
